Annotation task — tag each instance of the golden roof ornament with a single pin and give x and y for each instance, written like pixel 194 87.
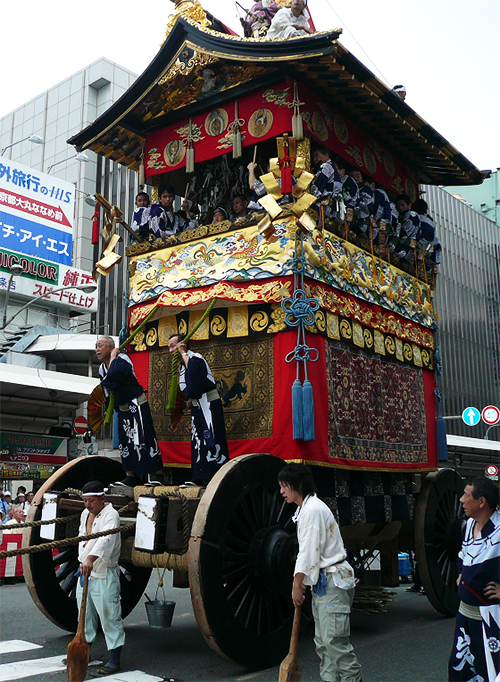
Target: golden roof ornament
pixel 190 10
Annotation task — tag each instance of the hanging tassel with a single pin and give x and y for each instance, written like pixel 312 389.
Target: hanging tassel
pixel 286 168
pixel 297 410
pixel 142 174
pixel 237 146
pixel 308 410
pixel 297 127
pixel 190 158
pixel 95 226
pixel 297 122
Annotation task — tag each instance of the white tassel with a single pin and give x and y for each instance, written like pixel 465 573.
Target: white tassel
pixel 297 127
pixel 237 148
pixel 190 159
pixel 142 174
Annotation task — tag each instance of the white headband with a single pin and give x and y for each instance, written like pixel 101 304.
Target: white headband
pixel 92 494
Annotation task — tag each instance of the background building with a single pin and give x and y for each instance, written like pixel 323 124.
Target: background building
pixel 47 362
pixel 468 305
pixel 484 198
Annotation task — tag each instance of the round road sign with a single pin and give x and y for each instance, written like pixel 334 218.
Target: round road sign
pixel 81 425
pixel 471 416
pixel 491 415
pixel 491 470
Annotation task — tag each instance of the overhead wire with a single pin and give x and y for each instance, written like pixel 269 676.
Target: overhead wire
pixel 358 44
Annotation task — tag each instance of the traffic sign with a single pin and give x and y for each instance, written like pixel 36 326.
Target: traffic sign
pixel 81 425
pixel 471 416
pixel 492 471
pixel 491 415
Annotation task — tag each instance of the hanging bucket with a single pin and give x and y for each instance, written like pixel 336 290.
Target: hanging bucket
pixel 159 611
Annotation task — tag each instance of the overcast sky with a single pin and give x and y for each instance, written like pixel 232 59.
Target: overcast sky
pixel 446 52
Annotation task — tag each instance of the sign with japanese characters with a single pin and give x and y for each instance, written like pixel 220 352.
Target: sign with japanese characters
pixel 36 213
pixel 27 449
pixel 40 277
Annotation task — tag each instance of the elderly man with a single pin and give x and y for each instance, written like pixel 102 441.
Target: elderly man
pixel 18 516
pixel 138 445
pixel 209 449
pixel 476 650
pixel 290 22
pixel 321 564
pixel 99 563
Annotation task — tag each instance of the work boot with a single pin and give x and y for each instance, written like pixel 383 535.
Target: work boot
pixel 113 665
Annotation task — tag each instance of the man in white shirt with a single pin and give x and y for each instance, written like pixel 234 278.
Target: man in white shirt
pixel 321 564
pixel 290 22
pixel 99 563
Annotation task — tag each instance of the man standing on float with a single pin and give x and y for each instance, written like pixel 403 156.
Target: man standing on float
pixel 209 449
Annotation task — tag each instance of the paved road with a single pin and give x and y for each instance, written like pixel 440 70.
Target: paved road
pixel 410 642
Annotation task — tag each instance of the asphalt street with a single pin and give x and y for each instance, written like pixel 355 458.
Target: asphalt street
pixel 409 642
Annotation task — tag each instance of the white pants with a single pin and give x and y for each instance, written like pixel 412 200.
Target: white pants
pixel 103 603
pixel 332 629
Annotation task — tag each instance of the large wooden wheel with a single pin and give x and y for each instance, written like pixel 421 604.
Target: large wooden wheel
pixel 51 580
pixel 241 559
pixel 439 522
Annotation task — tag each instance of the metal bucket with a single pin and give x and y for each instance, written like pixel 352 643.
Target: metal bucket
pixel 160 613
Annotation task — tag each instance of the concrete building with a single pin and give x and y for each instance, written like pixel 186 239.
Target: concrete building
pixel 468 306
pixel 483 198
pixel 46 370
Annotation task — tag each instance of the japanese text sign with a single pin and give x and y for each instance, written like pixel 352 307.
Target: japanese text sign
pixel 36 213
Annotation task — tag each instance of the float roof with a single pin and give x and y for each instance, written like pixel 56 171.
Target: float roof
pixel 170 90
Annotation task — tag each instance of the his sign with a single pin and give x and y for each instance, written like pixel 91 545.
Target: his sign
pixel 36 212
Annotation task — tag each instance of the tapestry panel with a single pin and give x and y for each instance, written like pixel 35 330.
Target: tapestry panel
pixel 243 370
pixel 376 408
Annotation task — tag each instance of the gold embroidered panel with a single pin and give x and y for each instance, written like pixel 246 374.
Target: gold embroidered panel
pixel 243 369
pixel 244 256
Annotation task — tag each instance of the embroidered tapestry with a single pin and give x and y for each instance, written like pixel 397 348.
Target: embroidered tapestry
pixel 243 371
pixel 376 408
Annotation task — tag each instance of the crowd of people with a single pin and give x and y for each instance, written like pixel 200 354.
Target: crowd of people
pixel 352 203
pixel 14 511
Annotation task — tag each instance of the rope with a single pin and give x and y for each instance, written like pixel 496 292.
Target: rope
pixel 60 519
pixel 172 398
pixel 67 542
pixel 186 529
pixel 111 406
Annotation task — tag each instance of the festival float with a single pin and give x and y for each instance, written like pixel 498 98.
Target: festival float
pixel 322 341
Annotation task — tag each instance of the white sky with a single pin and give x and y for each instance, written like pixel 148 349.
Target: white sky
pixel 446 52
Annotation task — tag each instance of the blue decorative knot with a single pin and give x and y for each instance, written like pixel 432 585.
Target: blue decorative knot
pixel 302 353
pixel 299 308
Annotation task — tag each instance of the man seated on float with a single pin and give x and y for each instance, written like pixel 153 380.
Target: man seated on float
pixel 428 240
pixel 381 210
pixel 240 207
pixel 290 22
pixel 408 230
pixel 350 191
pixel 140 227
pixel 164 222
pixel 327 184
pixel 364 203
pixel 259 18
pixel 259 189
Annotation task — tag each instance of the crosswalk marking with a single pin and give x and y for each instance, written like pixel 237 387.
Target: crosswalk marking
pixel 15 645
pixel 39 666
pixel 132 676
pixel 36 666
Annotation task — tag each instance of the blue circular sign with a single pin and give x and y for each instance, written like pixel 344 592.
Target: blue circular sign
pixel 471 416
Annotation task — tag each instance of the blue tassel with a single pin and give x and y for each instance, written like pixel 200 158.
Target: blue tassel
pixel 442 447
pixel 298 429
pixel 308 410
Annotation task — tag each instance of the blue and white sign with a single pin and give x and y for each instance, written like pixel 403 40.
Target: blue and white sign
pixel 471 416
pixel 36 213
